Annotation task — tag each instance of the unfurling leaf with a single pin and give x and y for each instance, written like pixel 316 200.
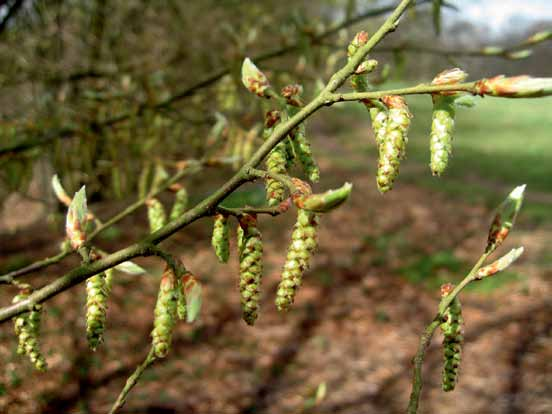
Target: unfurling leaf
pixel 505 218
pixel 60 192
pixel 500 264
pixel 514 87
pixel 324 202
pixel 130 268
pixel 253 79
pixel 76 219
pixel 192 296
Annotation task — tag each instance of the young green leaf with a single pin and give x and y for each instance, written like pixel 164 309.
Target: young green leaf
pixel 193 297
pixel 76 219
pixel 505 218
pixel 500 264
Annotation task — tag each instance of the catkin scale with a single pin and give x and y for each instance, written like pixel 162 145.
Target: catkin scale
pixel 220 238
pixel 27 329
pixel 251 267
pixel 392 148
pixel 96 307
pixel 442 128
pixel 378 117
pixel 303 244
pixel 452 342
pixel 165 314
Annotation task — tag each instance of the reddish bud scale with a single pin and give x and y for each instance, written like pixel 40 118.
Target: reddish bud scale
pixel 360 39
pixel 514 87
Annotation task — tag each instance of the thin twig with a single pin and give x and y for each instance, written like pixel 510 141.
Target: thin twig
pixel 132 381
pixel 425 339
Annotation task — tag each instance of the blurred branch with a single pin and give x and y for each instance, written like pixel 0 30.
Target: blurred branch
pixel 51 135
pixel 11 12
pixel 513 52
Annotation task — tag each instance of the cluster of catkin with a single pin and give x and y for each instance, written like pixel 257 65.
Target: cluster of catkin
pixel 295 148
pixel 391 119
pixel 250 252
pixel 27 329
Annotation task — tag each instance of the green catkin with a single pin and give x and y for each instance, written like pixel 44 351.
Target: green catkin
pixel 157 217
pixel 165 314
pixel 442 128
pixel 442 125
pixel 303 244
pixel 180 204
pixel 276 162
pixel 251 268
pixel 392 148
pixel 220 239
pixel 96 307
pixel 303 151
pixel 302 148
pixel 27 329
pixel 452 342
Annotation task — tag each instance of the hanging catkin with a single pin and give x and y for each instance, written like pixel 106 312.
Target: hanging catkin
pixel 392 148
pixel 442 124
pixel 27 329
pixel 303 244
pixel 180 203
pixel 251 267
pixel 276 161
pixel 220 239
pixel 165 313
pixel 157 217
pixel 96 307
pixel 452 342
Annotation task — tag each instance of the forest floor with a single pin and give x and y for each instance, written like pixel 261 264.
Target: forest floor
pixel 354 327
